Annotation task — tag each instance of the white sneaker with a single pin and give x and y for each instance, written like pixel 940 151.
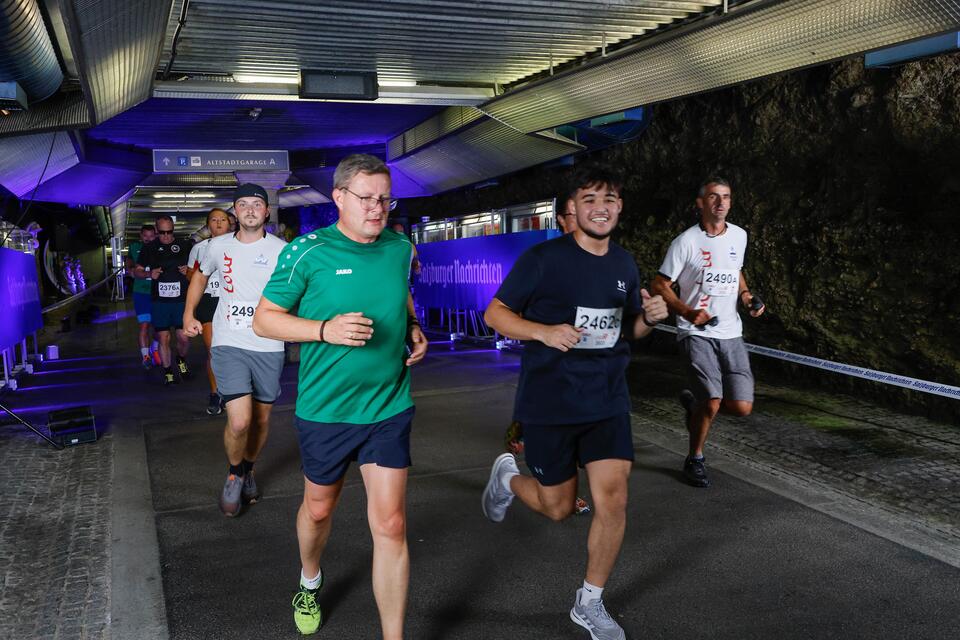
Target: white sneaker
pixel 594 618
pixel 497 497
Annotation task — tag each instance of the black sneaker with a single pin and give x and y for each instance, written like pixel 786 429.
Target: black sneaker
pixel 688 402
pixel 695 472
pixel 214 407
pixel 182 369
pixel 168 378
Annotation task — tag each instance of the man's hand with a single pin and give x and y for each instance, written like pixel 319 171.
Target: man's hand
pixel 191 326
pixel 349 329
pixel 697 317
pixel 560 336
pixel 183 269
pixel 419 345
pixel 654 307
pixel 156 273
pixel 748 300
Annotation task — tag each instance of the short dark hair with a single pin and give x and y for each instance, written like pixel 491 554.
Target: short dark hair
pixel 164 216
pixel 702 191
pixel 148 227
pixel 591 175
pixel 357 163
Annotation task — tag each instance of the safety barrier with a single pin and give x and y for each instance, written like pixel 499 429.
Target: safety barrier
pixel 914 384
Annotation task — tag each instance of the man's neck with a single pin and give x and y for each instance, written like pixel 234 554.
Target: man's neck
pixel 596 246
pixel 358 239
pixel 249 236
pixel 714 227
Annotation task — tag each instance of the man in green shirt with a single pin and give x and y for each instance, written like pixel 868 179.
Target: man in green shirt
pixel 354 315
pixel 142 300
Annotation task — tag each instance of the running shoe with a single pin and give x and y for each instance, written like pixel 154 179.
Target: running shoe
pixel 306 611
pixel 147 362
pixel 214 406
pixel 250 493
pixel 157 360
pixel 168 378
pixel 687 401
pixel 230 499
pixel 182 368
pixel 497 496
pixel 695 472
pixel 594 618
pixel 581 506
pixel 513 438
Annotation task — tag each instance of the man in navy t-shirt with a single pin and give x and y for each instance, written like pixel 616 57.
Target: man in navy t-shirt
pixel 575 301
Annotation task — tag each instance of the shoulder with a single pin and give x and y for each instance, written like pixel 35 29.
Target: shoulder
pixel 739 232
pixel 294 251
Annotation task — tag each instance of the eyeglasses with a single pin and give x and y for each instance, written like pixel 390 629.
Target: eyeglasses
pixel 164 232
pixel 369 203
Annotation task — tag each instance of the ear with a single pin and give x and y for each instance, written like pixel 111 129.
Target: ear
pixel 571 207
pixel 337 197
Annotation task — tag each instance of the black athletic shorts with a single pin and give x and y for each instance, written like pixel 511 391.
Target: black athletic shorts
pixel 205 310
pixel 553 452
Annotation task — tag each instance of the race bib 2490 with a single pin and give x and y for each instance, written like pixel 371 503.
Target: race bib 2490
pixel 240 315
pixel 720 282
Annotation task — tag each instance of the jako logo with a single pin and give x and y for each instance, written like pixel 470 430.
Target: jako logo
pixel 225 273
pixel 344 272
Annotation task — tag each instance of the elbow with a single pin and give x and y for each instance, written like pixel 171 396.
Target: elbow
pixel 258 327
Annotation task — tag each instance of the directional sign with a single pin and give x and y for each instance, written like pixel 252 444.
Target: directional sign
pixel 220 161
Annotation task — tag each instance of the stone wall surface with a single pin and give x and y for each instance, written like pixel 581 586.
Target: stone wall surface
pixel 848 181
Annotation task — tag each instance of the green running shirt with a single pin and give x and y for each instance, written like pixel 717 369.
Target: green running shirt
pixel 324 273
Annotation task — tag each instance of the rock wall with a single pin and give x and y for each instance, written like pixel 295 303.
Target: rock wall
pixel 848 181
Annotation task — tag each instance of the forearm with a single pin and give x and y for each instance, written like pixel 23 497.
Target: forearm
pixel 662 287
pixel 194 293
pixel 640 328
pixel 510 324
pixel 281 325
pixel 411 308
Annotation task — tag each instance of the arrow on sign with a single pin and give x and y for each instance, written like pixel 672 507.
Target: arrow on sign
pixel 166 162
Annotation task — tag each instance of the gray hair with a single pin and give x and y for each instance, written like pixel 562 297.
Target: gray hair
pixel 712 180
pixel 357 163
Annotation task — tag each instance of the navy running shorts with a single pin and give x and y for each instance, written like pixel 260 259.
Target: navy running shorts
pixel 553 452
pixel 328 448
pixel 167 315
pixel 142 306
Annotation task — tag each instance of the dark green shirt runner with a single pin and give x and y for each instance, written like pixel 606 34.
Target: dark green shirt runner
pixel 140 285
pixel 323 274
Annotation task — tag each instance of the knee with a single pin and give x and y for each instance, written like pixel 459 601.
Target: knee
pixel 559 512
pixel 238 429
pixel 391 527
pixel 711 407
pixel 318 510
pixel 740 408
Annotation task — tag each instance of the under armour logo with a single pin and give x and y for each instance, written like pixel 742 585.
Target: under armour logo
pixel 621 286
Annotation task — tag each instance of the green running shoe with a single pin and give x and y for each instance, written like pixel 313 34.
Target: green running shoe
pixel 306 611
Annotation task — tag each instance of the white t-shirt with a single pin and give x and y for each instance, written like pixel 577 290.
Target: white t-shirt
pixel 196 257
pixel 707 270
pixel 244 270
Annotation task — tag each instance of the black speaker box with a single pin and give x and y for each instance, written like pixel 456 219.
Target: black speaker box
pixel 72 426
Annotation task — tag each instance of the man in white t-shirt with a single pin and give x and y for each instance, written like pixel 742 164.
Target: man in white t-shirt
pixel 247 367
pixel 706 263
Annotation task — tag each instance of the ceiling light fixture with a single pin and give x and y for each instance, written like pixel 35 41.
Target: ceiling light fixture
pixel 253 78
pixel 194 194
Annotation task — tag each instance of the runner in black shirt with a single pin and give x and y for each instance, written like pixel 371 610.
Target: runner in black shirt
pixel 574 301
pixel 164 261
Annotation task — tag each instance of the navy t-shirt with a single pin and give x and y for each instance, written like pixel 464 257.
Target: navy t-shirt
pixel 558 282
pixel 171 286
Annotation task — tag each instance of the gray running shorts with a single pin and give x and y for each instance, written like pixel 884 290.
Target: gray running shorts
pixel 718 368
pixel 242 372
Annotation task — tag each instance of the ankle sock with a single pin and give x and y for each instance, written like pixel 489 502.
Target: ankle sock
pixel 507 477
pixel 311 583
pixel 589 593
pixel 144 351
pixel 236 470
pixel 247 466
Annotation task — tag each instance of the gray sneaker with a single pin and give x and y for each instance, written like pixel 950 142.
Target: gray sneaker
pixel 497 497
pixel 230 496
pixel 594 618
pixel 250 493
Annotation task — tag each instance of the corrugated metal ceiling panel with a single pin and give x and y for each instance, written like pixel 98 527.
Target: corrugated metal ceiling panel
pixel 412 40
pixel 761 39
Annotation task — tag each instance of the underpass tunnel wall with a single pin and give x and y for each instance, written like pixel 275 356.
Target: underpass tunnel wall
pixel 848 182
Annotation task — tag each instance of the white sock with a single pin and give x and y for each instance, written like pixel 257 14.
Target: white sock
pixel 154 346
pixel 311 583
pixel 144 351
pixel 507 477
pixel 589 593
